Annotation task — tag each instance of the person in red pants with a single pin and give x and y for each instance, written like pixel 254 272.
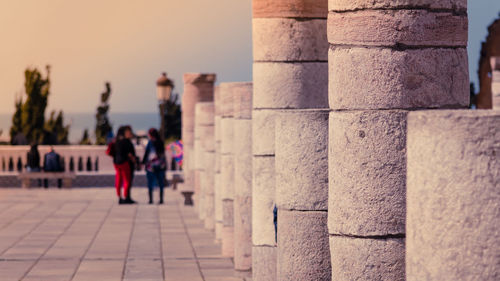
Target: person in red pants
pixel 122 153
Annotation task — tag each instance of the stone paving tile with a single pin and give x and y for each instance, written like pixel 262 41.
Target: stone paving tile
pixel 84 235
pixel 13 270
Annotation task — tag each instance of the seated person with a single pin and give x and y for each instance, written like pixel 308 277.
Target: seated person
pixel 52 164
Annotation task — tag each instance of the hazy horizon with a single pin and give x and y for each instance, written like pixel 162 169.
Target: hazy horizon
pixel 130 43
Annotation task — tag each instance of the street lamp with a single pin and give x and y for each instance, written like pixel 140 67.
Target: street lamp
pixel 164 87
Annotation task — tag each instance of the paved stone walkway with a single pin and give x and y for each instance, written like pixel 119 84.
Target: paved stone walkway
pixel 84 235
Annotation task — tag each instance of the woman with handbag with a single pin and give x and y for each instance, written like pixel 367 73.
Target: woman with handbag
pixel 155 163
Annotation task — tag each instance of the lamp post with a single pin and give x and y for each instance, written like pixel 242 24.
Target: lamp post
pixel 164 87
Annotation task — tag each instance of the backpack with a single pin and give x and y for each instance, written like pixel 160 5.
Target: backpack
pixel 110 150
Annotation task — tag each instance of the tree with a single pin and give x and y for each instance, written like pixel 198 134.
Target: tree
pixel 172 118
pixel 28 121
pixel 55 131
pixel 103 127
pixel 17 123
pixel 85 138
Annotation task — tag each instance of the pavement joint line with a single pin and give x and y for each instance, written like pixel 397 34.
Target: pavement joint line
pixel 20 215
pixel 92 242
pixel 56 239
pixel 49 215
pixel 8 203
pixel 129 242
pixel 190 241
pixel 158 209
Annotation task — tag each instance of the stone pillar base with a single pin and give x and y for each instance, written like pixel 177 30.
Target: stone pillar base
pixel 264 263
pixel 228 241
pixel 303 247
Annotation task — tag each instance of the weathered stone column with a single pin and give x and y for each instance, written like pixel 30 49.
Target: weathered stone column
pixel 453 217
pixel 386 57
pixel 290 72
pixel 226 91
pixel 205 152
pixel 198 161
pixel 302 194
pixel 243 178
pixel 217 177
pixel 198 87
pixel 495 82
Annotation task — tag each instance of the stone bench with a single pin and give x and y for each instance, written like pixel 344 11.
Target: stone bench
pixel 26 177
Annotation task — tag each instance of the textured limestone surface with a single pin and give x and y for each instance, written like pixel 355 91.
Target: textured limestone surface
pixel 207 137
pixel 367 164
pixel 290 85
pixel 227 131
pixel 398 27
pixel 453 217
pixel 263 132
pixel 198 155
pixel 289 40
pixel 243 194
pixel 302 160
pixel 208 182
pixel 495 82
pixel 227 228
pixel 228 212
pixel 263 191
pixel 204 113
pixel 290 8
pixel 303 246
pixel 242 103
pixel 227 176
pixel 226 97
pixel 264 263
pixel 218 206
pixel 425 78
pixel 346 5
pixel 368 259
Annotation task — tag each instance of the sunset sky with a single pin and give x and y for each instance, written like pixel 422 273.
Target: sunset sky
pixel 129 43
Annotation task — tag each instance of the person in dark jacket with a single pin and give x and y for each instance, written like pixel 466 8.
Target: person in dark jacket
pixel 123 153
pixel 155 163
pixel 33 159
pixel 52 164
pixel 133 164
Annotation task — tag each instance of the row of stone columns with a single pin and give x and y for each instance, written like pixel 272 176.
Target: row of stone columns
pixel 347 149
pixel 198 87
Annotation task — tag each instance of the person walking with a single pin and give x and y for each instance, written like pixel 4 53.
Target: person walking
pixel 155 163
pixel 52 164
pixel 122 152
pixel 133 164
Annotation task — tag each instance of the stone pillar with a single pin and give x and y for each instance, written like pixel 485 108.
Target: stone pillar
pixel 226 91
pixel 243 179
pixel 290 72
pixel 453 217
pixel 302 194
pixel 198 163
pixel 385 58
pixel 495 82
pixel 198 87
pixel 205 155
pixel 217 176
